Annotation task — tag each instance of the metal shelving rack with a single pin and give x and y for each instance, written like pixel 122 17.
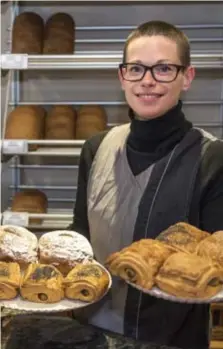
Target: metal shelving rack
pixel 83 61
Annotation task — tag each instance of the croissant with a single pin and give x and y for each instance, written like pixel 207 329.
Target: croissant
pixel 189 276
pixel 212 248
pixel 42 284
pixel 182 237
pixel 86 282
pixel 140 262
pixel 10 278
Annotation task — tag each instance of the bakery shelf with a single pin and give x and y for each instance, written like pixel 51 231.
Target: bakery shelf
pixel 91 61
pixel 46 148
pixel 54 219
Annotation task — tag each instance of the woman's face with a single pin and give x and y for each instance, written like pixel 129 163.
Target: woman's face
pixel 148 98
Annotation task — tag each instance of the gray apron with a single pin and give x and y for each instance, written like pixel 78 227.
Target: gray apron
pixel 113 195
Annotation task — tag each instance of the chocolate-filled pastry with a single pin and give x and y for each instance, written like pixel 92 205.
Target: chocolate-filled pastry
pixel 189 276
pixel 182 237
pixel 140 262
pixel 10 278
pixel 42 284
pixel 211 248
pixel 86 282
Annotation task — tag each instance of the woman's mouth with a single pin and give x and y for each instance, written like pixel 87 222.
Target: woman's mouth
pixel 148 97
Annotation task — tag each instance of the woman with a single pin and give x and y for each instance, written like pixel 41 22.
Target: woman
pixel 138 179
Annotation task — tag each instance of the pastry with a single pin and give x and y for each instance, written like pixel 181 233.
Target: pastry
pixel 42 284
pixel 91 119
pixel 64 249
pixel 86 282
pixel 60 123
pixel 187 275
pixel 59 35
pixel 182 237
pixel 31 201
pixel 140 262
pixel 211 248
pixel 18 245
pixel 27 33
pixel 26 122
pixel 10 278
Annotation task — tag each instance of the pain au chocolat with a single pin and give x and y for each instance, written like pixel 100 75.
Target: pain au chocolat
pixel 212 248
pixel 189 276
pixel 86 282
pixel 10 278
pixel 42 284
pixel 140 262
pixel 182 237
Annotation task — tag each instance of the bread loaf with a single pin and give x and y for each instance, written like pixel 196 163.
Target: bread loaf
pixel 27 33
pixel 31 201
pixel 59 34
pixel 91 119
pixel 25 122
pixel 60 123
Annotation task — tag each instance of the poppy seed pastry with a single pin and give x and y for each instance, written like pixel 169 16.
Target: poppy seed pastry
pixel 10 278
pixel 189 276
pixel 182 237
pixel 86 282
pixel 18 244
pixel 64 249
pixel 42 284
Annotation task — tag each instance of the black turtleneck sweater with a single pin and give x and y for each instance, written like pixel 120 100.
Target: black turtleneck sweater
pixel 147 143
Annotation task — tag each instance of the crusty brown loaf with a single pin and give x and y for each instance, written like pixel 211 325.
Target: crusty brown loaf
pixel 31 201
pixel 60 123
pixel 25 122
pixel 27 33
pixel 91 119
pixel 59 34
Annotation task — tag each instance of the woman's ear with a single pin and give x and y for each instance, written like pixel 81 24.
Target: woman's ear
pixel 189 75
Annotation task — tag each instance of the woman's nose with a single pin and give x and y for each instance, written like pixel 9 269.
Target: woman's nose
pixel 148 78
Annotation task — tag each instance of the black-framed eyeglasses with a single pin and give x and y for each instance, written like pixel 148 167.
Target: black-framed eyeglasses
pixel 162 72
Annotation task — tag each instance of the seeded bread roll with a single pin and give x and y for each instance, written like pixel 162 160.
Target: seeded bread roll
pixel 27 33
pixel 60 123
pixel 59 34
pixel 25 122
pixel 31 201
pixel 91 119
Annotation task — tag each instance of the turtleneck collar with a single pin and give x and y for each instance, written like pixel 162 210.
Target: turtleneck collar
pixel 164 131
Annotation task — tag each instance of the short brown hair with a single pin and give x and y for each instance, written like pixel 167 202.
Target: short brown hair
pixel 164 29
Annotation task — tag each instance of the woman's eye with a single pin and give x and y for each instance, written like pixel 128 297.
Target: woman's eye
pixel 135 69
pixel 163 68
